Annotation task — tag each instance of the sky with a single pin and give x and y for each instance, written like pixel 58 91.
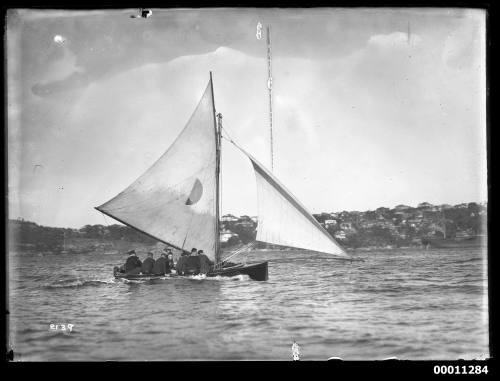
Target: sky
pixel 372 107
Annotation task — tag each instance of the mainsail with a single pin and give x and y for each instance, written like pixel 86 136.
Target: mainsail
pixel 283 220
pixel 174 201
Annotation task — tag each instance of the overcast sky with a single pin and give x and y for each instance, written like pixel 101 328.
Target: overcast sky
pixel 373 107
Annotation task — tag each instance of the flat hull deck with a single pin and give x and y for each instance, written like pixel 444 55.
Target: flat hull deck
pixel 256 271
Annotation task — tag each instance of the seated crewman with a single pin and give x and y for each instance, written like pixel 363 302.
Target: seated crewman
pixel 181 262
pixel 161 266
pixel 148 264
pixel 191 266
pixel 170 260
pixel 133 264
pixel 205 264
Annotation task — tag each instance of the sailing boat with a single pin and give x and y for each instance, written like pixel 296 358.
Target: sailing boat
pixel 176 201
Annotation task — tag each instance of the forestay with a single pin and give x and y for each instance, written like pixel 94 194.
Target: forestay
pixel 283 220
pixel 174 201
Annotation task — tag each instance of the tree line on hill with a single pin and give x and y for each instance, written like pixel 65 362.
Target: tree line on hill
pixel 404 225
pixel 400 226
pixel 29 235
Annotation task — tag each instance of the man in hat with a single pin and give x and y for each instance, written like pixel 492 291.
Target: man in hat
pixel 148 264
pixel 161 266
pixel 180 262
pixel 205 264
pixel 170 260
pixel 133 264
pixel 189 264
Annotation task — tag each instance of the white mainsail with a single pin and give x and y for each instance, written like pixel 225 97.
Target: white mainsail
pixel 174 201
pixel 283 220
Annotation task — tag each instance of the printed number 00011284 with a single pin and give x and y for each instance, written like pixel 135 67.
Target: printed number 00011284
pixel 460 369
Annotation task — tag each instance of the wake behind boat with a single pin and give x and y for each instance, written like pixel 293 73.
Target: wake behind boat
pixel 176 201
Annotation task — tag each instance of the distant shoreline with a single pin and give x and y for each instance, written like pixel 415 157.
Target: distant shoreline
pixel 381 229
pixel 93 246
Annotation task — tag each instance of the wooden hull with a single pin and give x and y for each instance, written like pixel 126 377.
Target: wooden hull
pixel 119 275
pixel 256 271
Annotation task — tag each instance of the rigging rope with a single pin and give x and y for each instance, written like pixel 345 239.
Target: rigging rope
pixel 218 235
pixel 105 220
pixel 107 224
pixel 240 250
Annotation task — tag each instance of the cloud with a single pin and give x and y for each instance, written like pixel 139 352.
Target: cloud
pixel 62 73
pixel 388 117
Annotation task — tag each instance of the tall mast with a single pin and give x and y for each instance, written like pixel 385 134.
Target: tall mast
pixel 219 191
pixel 217 127
pixel 270 88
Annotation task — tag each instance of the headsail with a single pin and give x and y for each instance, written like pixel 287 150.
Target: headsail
pixel 283 220
pixel 175 199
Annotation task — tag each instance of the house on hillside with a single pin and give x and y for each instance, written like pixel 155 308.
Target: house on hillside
pixel 330 223
pixel 229 218
pixel 245 222
pixel 340 235
pixel 430 214
pixel 368 224
pixel 425 206
pixel 402 207
pixel 414 222
pixel 419 215
pixel 445 206
pixel 400 216
pixel 225 235
pixel 382 210
pixel 346 226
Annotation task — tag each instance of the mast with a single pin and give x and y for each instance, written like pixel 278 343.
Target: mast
pixel 270 88
pixel 219 188
pixel 217 127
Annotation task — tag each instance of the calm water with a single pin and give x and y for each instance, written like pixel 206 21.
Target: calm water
pixel 412 304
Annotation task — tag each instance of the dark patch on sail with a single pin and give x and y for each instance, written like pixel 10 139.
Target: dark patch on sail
pixel 195 194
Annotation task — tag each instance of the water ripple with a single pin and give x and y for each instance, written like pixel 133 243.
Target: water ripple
pixel 404 303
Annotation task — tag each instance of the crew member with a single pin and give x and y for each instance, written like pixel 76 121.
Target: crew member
pixel 148 264
pixel 161 267
pixel 191 265
pixel 205 263
pixel 133 264
pixel 180 263
pixel 170 260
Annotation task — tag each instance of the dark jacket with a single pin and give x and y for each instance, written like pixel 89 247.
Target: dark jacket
pixel 180 264
pixel 189 264
pixel 132 263
pixel 161 266
pixel 170 264
pixel 205 264
pixel 147 265
pixel 192 264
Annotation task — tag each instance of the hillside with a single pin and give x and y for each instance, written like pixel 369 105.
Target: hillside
pixel 401 226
